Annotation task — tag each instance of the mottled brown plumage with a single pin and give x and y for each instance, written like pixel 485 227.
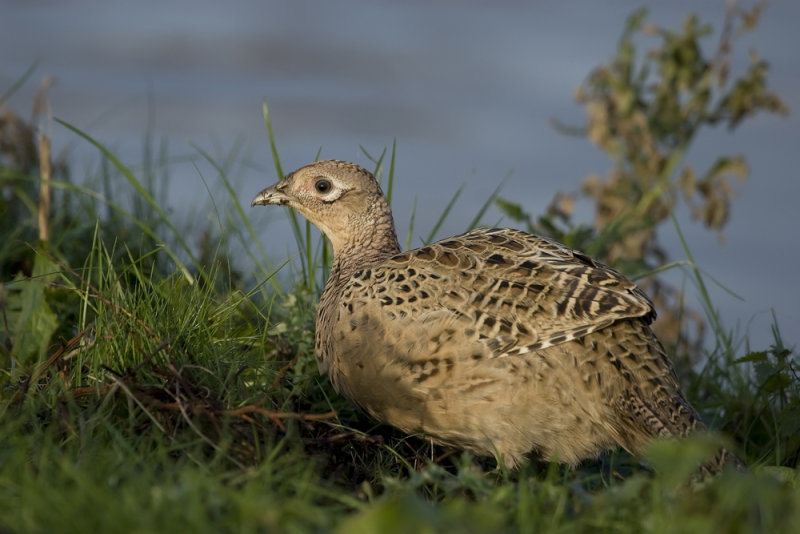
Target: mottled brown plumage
pixel 494 341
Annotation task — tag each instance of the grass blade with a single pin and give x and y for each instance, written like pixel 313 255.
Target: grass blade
pixel 391 172
pixel 306 274
pixel 489 201
pixel 18 83
pixel 444 214
pixel 253 236
pixel 411 223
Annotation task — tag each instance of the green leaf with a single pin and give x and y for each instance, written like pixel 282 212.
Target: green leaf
pixel 728 166
pixel 30 318
pixel 512 210
pixel 760 356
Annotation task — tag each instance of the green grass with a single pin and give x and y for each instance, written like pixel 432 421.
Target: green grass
pixel 148 385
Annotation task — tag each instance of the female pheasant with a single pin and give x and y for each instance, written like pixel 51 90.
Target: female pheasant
pixel 494 341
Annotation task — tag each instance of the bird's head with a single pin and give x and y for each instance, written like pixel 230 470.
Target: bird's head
pixel 342 199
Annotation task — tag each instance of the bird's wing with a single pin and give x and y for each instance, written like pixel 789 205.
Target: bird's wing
pixel 515 292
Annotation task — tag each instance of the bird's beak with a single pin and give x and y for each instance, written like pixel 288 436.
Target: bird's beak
pixel 271 195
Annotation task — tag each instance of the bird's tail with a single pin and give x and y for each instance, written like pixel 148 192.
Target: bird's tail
pixel 722 460
pixel 674 417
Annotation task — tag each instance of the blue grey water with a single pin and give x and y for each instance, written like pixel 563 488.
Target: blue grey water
pixel 467 89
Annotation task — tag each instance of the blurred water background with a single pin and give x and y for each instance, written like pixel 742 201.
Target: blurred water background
pixel 467 89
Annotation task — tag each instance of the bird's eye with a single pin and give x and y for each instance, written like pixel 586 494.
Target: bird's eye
pixel 323 185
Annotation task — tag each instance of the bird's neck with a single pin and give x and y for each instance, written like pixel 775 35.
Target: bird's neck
pixel 366 253
pixel 370 241
pixel 362 251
